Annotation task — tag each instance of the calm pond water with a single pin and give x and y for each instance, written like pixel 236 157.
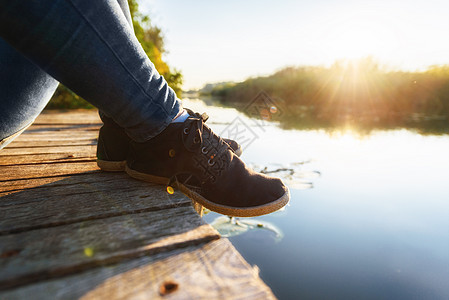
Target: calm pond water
pixel 368 216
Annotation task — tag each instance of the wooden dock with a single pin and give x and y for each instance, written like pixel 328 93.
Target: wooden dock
pixel 68 230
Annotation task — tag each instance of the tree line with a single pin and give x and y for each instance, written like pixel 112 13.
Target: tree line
pixel 360 93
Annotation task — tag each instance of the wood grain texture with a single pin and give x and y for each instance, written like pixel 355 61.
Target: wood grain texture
pixel 70 201
pixel 69 230
pixel 61 250
pixel 44 170
pixel 8 187
pixel 105 180
pixel 82 147
pixel 58 135
pixel 213 270
pixel 51 128
pixel 68 117
pixel 52 143
pixel 63 157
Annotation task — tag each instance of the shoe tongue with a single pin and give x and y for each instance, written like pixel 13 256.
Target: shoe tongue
pixel 203 116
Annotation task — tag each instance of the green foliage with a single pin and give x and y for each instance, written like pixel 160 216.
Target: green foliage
pixel 64 98
pixel 152 40
pixel 359 93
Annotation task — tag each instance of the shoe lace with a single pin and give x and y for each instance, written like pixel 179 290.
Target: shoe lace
pixel 213 152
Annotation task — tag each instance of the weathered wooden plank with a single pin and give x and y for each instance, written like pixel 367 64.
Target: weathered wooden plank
pixel 68 136
pixel 105 180
pixel 50 128
pixel 54 141
pixel 6 160
pixel 46 170
pixel 46 139
pixel 67 202
pixel 62 221
pixel 60 129
pixel 6 187
pixel 211 271
pixel 73 117
pixel 45 132
pixel 85 148
pixel 53 252
pixel 47 143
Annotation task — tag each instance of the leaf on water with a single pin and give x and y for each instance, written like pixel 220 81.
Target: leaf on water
pixel 290 173
pixel 229 227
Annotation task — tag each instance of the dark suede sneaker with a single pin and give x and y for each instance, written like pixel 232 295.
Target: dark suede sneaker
pixel 204 167
pixel 112 147
pixel 113 144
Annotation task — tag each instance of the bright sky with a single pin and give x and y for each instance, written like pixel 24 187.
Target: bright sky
pixel 212 41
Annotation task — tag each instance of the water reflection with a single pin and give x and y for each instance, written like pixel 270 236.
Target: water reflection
pixel 374 225
pixel 364 122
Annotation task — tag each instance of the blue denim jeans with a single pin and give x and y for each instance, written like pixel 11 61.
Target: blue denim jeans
pixel 90 47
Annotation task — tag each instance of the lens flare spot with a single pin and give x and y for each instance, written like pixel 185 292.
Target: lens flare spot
pixel 172 153
pixel 88 251
pixel 265 114
pixel 170 190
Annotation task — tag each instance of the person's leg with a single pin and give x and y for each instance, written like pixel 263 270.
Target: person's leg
pixel 90 47
pixel 24 91
pixel 126 12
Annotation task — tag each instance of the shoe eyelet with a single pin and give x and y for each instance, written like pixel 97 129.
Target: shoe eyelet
pixel 204 151
pixel 186 130
pixel 210 162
